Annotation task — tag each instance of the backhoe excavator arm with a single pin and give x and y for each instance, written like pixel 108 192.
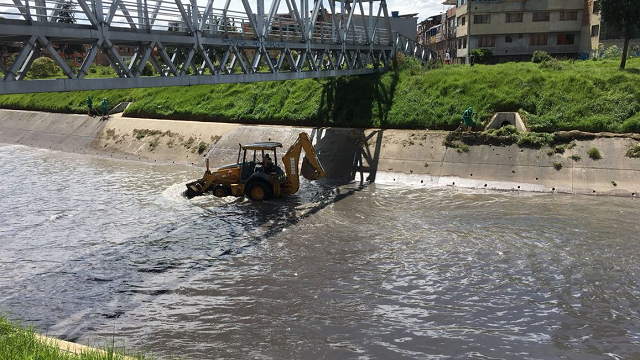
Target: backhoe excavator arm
pixel 311 167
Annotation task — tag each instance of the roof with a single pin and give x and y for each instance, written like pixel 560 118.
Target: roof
pixel 265 145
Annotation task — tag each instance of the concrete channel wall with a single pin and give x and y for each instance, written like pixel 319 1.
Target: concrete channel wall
pixel 410 157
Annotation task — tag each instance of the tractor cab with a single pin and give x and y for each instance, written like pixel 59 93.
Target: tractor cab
pixel 258 157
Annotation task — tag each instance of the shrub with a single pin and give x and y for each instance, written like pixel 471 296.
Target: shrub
pixel 612 52
pixel 412 65
pixel 540 56
pixel 575 157
pixel 43 67
pixel 102 70
pixel 557 165
pixel 594 153
pixel 634 151
pixel 482 56
pixel 201 147
pixel 463 148
pixel 551 64
pixel 148 69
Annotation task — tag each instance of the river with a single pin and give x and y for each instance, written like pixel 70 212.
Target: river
pixel 94 248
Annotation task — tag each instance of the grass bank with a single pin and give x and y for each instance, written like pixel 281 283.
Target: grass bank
pixel 20 343
pixel 591 96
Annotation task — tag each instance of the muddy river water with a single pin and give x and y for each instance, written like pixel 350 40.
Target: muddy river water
pixel 94 248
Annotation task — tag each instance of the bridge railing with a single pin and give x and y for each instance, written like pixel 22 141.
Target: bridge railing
pixel 413 48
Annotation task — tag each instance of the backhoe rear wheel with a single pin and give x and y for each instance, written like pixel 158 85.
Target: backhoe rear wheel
pixel 259 190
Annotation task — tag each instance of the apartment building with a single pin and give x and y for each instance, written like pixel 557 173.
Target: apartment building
pixel 514 29
pixel 438 32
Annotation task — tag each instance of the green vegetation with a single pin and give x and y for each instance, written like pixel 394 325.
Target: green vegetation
pixel 540 56
pixel 575 157
pixel 557 165
pixel 592 96
pixel 634 151
pixel 18 343
pixel 43 67
pixel 141 133
pixel 594 153
pixel 154 143
pixel 482 56
pixel 463 148
pixel 506 135
pixel 201 147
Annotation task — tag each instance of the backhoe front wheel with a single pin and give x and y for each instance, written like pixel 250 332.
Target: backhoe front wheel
pixel 258 191
pixel 221 191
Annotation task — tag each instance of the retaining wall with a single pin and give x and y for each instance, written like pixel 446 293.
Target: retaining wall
pixel 414 157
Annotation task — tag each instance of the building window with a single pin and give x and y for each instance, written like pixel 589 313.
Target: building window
pixel 482 19
pixel 541 16
pixel 462 20
pixel 514 17
pixel 568 15
pixel 464 43
pixel 486 41
pixel 565 39
pixel 538 39
pixel 596 7
pixel 459 43
pixel 508 38
pixel 595 30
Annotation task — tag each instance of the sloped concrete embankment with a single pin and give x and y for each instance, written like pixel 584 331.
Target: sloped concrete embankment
pixel 413 157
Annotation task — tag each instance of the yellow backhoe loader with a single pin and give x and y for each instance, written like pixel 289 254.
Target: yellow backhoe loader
pixel 256 176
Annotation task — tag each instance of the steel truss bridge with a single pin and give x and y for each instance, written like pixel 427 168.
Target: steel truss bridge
pixel 191 43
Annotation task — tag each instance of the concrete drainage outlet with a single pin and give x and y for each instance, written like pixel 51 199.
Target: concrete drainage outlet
pixel 506 118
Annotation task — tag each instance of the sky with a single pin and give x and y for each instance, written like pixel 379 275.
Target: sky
pixel 424 8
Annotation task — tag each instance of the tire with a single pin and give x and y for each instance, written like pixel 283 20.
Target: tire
pixel 258 191
pixel 220 191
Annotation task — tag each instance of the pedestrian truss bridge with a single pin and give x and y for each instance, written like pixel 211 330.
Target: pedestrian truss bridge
pixel 187 42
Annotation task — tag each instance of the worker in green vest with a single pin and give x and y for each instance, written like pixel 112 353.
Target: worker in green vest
pixel 105 108
pixel 467 118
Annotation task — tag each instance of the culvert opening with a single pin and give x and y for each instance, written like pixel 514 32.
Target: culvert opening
pixel 502 119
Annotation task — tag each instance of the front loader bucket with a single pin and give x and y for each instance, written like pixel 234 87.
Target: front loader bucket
pixel 307 170
pixel 198 187
pixel 194 188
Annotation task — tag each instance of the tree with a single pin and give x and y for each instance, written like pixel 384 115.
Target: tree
pixel 43 67
pixel 623 16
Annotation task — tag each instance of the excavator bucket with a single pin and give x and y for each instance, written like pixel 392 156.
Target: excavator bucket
pixel 308 171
